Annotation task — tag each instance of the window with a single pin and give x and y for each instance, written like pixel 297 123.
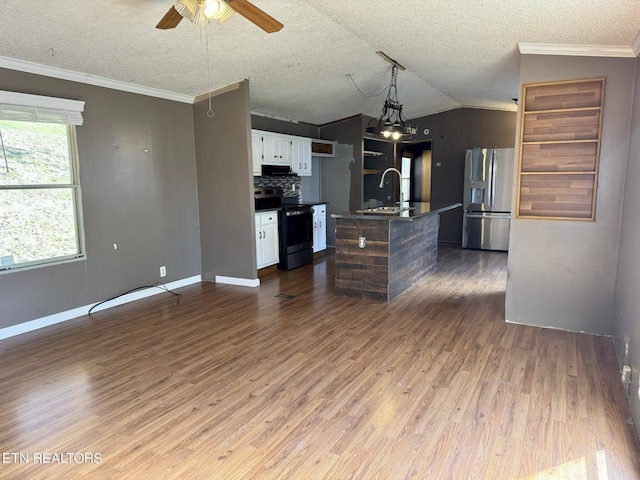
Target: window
pixel 40 211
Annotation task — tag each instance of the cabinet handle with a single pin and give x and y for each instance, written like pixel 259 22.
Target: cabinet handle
pixel 259 234
pixel 319 224
pixel 264 234
pixel 315 224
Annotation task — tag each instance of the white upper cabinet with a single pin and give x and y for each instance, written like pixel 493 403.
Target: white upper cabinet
pixel 269 148
pixel 284 150
pixel 256 153
pixel 301 156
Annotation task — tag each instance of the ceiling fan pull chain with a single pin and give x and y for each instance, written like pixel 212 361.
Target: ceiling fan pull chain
pixel 210 112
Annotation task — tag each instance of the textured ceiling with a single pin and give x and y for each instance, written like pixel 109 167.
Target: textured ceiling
pixel 456 53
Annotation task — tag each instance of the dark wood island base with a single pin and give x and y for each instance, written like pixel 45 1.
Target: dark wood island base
pixel 397 251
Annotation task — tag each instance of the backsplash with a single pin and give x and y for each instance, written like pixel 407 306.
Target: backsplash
pixel 290 184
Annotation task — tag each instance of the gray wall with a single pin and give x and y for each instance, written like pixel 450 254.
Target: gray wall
pixel 144 202
pixel 225 185
pixel 626 326
pixel 562 273
pixel 341 176
pixel 282 126
pixel 451 133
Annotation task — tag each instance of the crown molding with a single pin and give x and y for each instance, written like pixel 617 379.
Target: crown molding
pixel 60 73
pixel 579 50
pixel 227 88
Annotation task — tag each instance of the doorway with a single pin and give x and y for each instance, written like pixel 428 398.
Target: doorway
pixel 416 160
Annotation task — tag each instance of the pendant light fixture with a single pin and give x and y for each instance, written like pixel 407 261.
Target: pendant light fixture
pixel 391 124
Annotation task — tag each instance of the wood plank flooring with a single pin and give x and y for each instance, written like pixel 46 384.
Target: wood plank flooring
pixel 239 383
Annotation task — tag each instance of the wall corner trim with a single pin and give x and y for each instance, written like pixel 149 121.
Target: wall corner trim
pixel 636 44
pixel 49 320
pixel 73 76
pixel 243 282
pixel 623 51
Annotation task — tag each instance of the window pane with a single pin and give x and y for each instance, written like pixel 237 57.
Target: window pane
pixel 34 153
pixel 36 225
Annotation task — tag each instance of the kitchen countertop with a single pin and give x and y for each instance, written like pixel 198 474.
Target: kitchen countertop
pixel 417 209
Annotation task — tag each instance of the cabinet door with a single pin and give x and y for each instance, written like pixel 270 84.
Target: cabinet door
pixel 322 227
pixel 284 150
pixel 315 229
pixel 306 170
pixel 269 148
pixel 268 251
pixel 256 153
pixel 296 156
pixel 270 245
pixel 319 228
pixel 259 253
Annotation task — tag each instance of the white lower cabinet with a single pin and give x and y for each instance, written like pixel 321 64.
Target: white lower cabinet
pixel 267 245
pixel 319 227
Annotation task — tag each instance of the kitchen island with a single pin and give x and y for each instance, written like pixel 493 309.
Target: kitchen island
pixel 380 252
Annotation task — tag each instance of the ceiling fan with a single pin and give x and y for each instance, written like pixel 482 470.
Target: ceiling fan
pixel 201 11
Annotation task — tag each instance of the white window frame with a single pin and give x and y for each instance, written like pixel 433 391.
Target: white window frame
pixel 24 107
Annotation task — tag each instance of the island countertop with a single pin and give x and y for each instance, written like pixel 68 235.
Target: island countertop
pixel 415 210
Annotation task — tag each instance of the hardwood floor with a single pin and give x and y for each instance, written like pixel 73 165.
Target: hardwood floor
pixel 240 383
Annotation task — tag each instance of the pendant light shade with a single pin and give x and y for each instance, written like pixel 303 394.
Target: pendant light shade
pixel 201 11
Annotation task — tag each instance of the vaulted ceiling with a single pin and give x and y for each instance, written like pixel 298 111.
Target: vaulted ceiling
pixel 456 53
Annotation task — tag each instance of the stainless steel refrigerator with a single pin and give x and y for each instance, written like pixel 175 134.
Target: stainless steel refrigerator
pixel 488 188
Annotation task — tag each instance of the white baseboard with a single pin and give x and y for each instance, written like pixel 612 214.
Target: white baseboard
pixel 243 282
pixel 25 327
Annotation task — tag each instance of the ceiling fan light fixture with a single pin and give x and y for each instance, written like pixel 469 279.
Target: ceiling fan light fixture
pixel 199 12
pixel 217 10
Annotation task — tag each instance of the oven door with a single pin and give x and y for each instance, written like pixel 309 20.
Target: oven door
pixel 298 226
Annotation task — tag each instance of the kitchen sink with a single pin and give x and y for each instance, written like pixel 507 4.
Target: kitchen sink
pixel 388 210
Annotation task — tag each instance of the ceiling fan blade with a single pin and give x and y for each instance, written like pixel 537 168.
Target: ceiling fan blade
pixel 252 13
pixel 170 20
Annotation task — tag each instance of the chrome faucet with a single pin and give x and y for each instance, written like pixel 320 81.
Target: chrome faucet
pixel 402 194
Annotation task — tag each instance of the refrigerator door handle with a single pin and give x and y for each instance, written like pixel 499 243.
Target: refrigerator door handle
pixel 492 184
pixel 488 215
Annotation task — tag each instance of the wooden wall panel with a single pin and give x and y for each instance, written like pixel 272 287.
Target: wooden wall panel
pixel 563 95
pixel 413 252
pixel 559 149
pixel 397 255
pixel 362 272
pixel 562 195
pixel 557 126
pixel 559 157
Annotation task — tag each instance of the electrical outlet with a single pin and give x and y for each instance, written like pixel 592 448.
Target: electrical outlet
pixel 362 242
pixel 163 271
